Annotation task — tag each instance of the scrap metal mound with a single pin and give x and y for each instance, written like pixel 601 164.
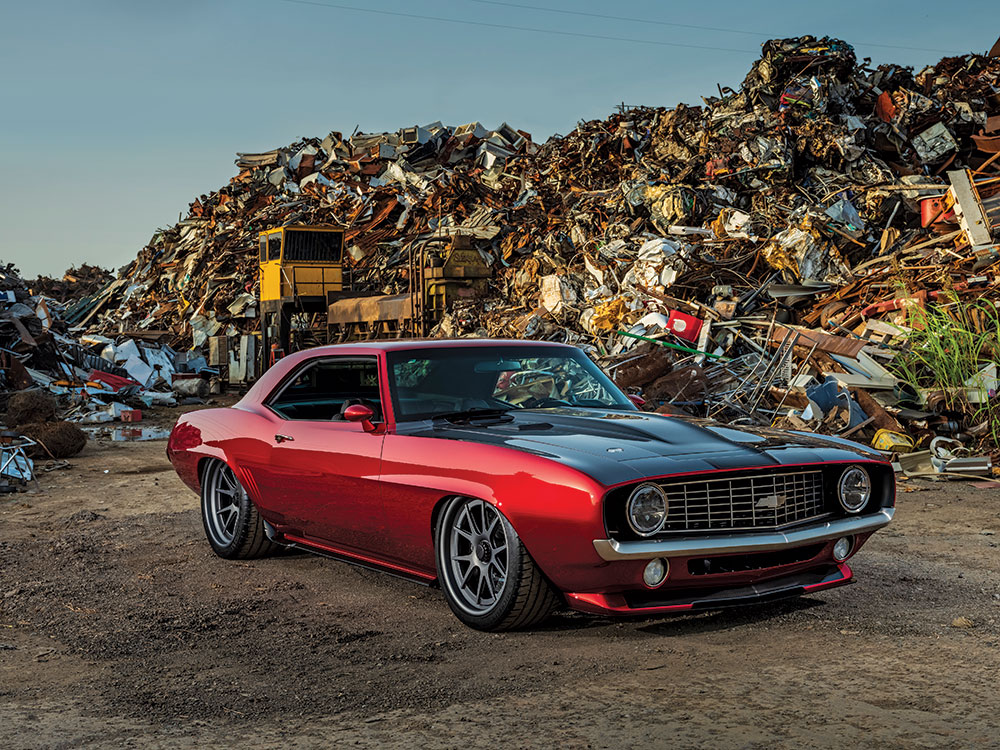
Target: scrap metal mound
pixel 798 172
pixel 77 282
pixel 824 193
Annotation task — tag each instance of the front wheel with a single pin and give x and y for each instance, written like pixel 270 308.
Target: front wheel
pixel 488 577
pixel 232 524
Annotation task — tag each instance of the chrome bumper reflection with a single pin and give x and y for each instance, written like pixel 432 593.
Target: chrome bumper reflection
pixel 723 544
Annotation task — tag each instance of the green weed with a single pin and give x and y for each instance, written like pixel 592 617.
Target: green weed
pixel 948 344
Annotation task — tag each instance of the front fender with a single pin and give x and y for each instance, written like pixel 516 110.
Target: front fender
pixel 553 508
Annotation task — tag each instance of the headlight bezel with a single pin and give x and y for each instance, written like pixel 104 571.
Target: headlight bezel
pixel 866 493
pixel 633 496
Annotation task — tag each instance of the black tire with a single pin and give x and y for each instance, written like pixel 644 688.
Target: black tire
pixel 520 598
pixel 236 534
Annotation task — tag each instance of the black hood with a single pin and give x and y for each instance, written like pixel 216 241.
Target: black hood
pixel 621 446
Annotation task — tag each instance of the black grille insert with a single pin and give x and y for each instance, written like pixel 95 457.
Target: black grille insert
pixel 744 502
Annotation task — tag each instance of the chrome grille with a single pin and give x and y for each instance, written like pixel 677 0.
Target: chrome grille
pixel 745 502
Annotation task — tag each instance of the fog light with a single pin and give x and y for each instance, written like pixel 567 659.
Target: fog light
pixel 655 572
pixel 842 549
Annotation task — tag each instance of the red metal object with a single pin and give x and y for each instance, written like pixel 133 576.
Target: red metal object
pixel 885 107
pixel 616 604
pixel 131 415
pixel 277 353
pixel 116 382
pixel 932 212
pixel 684 326
pixel 361 414
pixel 919 299
pixel 370 496
pixel 916 300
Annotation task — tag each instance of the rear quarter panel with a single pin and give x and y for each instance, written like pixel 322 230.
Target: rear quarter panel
pixel 232 435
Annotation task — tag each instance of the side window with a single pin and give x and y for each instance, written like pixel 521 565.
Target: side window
pixel 263 249
pixel 274 246
pixel 323 389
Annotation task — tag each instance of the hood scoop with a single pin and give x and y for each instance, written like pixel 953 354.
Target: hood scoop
pixel 536 427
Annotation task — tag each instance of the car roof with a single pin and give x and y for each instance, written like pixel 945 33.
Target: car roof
pixel 409 344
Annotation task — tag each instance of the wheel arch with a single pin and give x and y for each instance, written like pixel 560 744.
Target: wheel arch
pixel 245 478
pixel 443 501
pixel 201 467
pixel 205 460
pixel 556 512
pixel 436 512
pixel 535 594
pixel 250 537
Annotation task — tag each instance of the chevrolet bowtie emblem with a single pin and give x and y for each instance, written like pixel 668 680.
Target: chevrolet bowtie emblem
pixel 771 501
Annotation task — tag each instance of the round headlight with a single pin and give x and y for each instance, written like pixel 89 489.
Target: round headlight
pixel 647 509
pixel 854 489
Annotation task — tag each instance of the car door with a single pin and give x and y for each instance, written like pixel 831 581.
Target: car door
pixel 323 475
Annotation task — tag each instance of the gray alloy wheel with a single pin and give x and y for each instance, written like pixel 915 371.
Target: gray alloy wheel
pixel 232 524
pixel 478 555
pixel 488 578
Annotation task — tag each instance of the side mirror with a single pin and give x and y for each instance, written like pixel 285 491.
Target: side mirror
pixel 360 413
pixel 637 400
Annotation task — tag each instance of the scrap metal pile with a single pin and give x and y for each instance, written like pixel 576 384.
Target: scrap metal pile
pixel 781 254
pixel 78 282
pixel 51 376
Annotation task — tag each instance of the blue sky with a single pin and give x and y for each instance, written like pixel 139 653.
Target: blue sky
pixel 116 114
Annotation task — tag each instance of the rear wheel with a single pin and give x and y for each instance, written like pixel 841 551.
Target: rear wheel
pixel 234 528
pixel 488 577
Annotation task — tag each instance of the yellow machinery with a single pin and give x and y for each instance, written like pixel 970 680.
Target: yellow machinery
pixel 300 263
pixel 302 272
pixel 300 266
pixel 440 271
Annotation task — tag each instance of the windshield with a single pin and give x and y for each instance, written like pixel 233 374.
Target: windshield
pixel 431 382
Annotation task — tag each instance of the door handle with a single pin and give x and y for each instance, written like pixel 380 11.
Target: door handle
pixel 283 438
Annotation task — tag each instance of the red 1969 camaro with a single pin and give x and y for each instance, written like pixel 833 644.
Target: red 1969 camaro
pixel 518 477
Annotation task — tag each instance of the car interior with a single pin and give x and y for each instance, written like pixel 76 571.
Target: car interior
pixel 322 390
pixel 445 382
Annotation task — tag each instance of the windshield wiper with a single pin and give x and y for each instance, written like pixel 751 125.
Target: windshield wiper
pixel 466 416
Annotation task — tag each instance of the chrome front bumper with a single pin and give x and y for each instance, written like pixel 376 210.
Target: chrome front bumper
pixel 723 544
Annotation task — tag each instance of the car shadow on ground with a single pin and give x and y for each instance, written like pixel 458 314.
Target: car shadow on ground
pixel 564 620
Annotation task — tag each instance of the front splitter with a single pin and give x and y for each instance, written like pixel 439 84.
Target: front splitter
pixel 666 600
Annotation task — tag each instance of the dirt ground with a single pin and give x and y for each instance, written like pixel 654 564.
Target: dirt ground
pixel 120 628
